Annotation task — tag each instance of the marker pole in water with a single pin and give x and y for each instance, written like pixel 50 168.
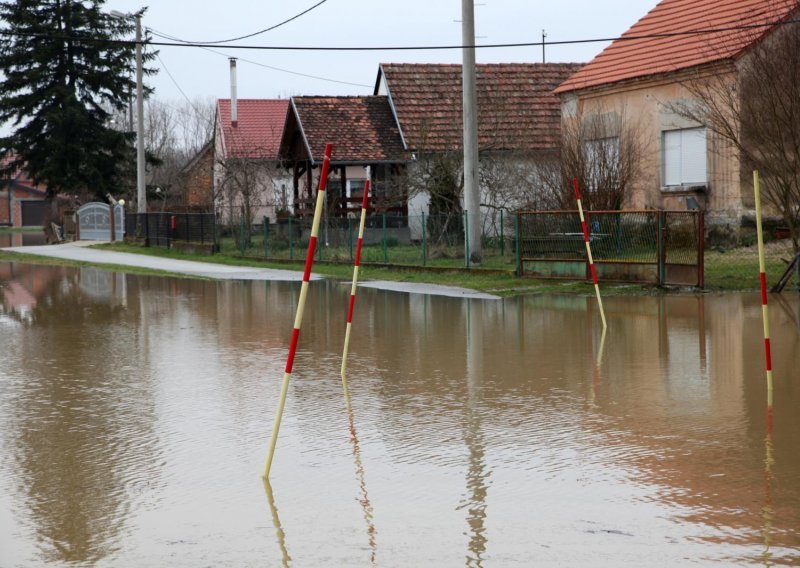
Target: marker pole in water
pixel 589 251
pixel 360 242
pixel 763 277
pixel 312 245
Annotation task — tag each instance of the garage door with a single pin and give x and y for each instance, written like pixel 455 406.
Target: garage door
pixel 32 213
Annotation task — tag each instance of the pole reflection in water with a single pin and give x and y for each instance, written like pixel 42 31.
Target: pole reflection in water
pixel 768 511
pixel 477 487
pixel 363 500
pixel 276 522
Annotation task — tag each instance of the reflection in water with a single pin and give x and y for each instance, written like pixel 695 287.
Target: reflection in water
pixel 477 476
pixel 768 511
pixel 76 393
pixel 133 414
pixel 366 505
pixel 276 522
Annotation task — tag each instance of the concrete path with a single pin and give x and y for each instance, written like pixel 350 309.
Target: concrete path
pixel 81 251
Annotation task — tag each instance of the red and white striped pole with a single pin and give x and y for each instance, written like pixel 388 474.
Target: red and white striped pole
pixel 589 251
pixel 364 205
pixel 298 320
pixel 763 277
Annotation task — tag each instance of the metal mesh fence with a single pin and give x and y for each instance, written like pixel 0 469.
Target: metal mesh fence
pixel 162 229
pixel 421 240
pixel 661 247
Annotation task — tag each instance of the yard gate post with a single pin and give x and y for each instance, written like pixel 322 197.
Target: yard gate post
pixel 291 239
pixel 661 253
pixel 241 235
pixel 502 236
pixel 265 223
pixel 518 251
pixel 385 245
pixel 350 236
pixel 111 222
pixel 701 250
pixel 424 242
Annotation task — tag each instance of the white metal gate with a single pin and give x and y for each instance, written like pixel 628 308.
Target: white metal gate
pixel 94 222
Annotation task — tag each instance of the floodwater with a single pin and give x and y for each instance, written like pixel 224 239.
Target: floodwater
pixel 135 414
pixel 22 239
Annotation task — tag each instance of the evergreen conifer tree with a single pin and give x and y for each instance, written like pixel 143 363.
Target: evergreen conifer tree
pixel 66 68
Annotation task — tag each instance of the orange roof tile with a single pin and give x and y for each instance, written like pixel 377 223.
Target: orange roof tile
pixel 516 105
pixel 632 57
pixel 259 129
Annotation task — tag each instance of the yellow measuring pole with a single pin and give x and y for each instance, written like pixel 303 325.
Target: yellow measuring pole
pixel 356 264
pixel 763 278
pixel 589 251
pixel 298 320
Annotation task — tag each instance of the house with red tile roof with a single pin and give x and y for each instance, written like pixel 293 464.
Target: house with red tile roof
pixel 248 180
pixel 519 117
pixel 645 73
pixel 22 201
pixel 366 145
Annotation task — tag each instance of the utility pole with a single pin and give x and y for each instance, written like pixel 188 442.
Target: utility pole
pixel 141 197
pixel 472 202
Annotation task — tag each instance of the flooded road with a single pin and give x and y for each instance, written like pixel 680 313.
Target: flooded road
pixel 135 414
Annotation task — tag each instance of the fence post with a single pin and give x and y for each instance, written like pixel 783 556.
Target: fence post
pixel 502 236
pixel 265 223
pixel 350 236
pixel 291 239
pixel 424 242
pixel 113 235
pixel 701 250
pixel 385 245
pixel 466 240
pixel 517 244
pixel 660 248
pixel 202 233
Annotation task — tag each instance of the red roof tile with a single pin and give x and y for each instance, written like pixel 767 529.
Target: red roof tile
pixel 516 105
pixel 362 129
pixel 635 58
pixel 259 129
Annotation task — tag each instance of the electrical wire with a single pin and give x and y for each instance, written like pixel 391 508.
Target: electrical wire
pixel 273 68
pixel 409 48
pixel 177 86
pixel 269 29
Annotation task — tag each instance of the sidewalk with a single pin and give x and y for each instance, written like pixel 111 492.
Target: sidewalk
pixel 81 251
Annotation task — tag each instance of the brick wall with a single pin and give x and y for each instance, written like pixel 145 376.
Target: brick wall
pixel 199 180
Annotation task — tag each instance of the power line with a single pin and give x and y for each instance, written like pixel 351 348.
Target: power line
pixel 289 71
pixel 706 31
pixel 269 29
pixel 174 82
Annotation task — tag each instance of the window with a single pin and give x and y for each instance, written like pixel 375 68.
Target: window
pixel 356 187
pixel 684 157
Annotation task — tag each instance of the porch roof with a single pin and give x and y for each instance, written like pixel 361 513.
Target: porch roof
pixel 361 129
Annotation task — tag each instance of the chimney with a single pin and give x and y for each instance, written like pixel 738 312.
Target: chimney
pixel 234 114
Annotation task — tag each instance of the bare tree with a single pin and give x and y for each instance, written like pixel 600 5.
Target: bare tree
pixel 604 150
pixel 245 187
pixel 754 105
pixel 174 133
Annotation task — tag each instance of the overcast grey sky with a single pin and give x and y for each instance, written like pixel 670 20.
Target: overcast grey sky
pixel 201 73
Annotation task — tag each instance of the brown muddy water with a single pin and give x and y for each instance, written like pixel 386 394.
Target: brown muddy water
pixel 135 414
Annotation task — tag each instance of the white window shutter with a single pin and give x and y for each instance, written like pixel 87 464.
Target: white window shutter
pixel 693 156
pixel 672 157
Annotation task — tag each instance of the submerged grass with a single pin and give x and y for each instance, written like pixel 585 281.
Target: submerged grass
pixel 735 273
